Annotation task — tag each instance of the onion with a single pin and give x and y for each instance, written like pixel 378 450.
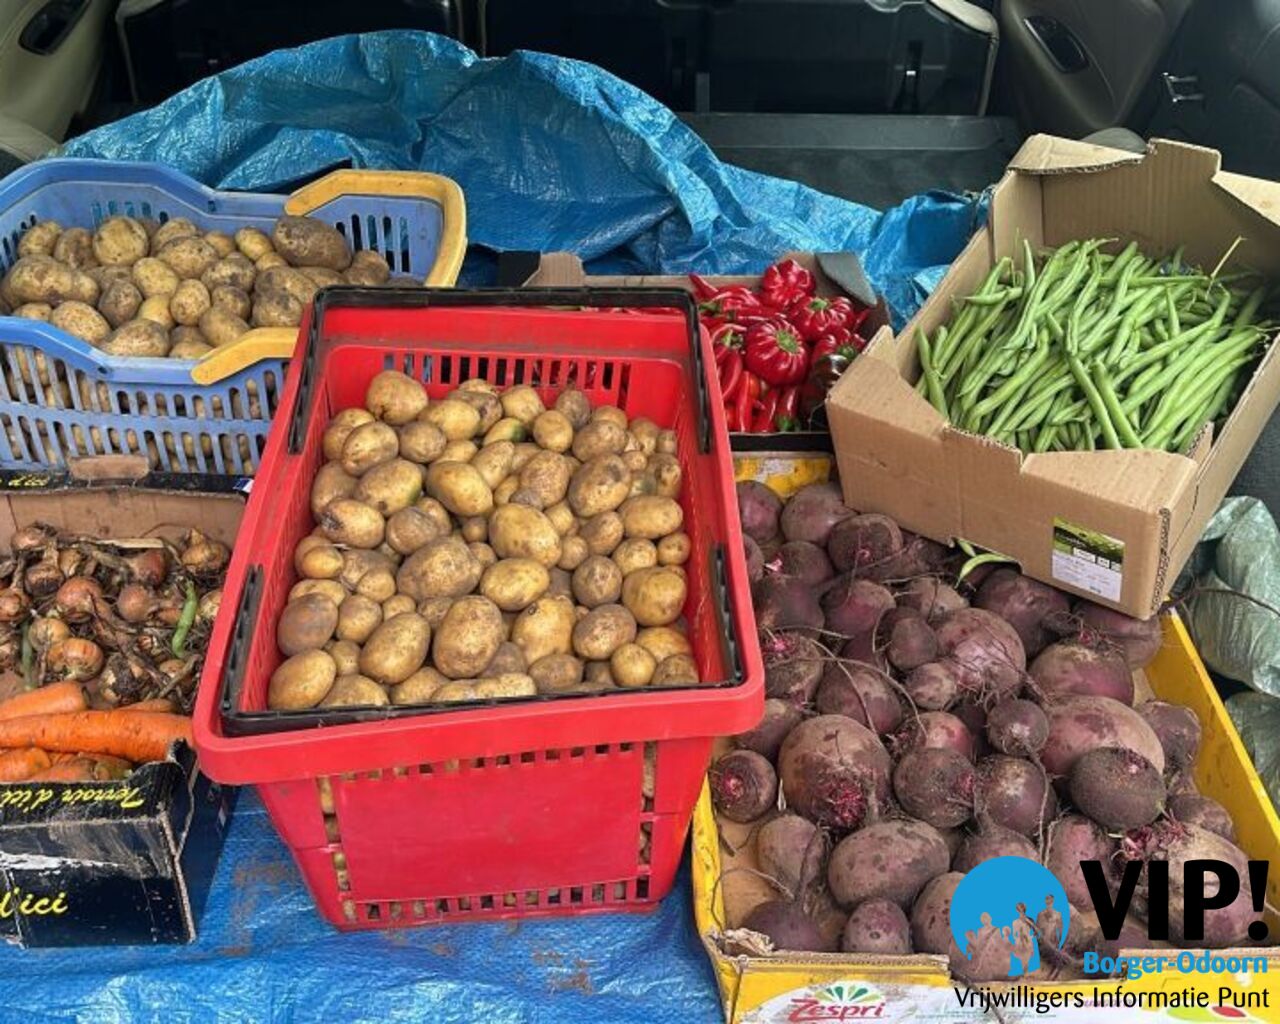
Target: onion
pixel 135 603
pixel 10 651
pixel 150 567
pixel 14 605
pixel 47 631
pixel 204 557
pixel 30 539
pixel 43 578
pixel 207 609
pixel 78 599
pixel 69 562
pixel 75 658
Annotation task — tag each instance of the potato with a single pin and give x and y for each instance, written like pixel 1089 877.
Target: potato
pixel 369 445
pixel 367 268
pixel 434 609
pixel 636 461
pixel 230 272
pixel 468 638
pixel 493 462
pixel 547 474
pixel 506 429
pixel 597 678
pixel 390 486
pixel 220 326
pixel 395 397
pixel 505 491
pixel 509 684
pixel 156 310
pixel 421 442
pixel 674 549
pixel 506 660
pixel 269 261
pixel 104 277
pixel 597 581
pixel 475 528
pixel 602 532
pixel 602 631
pixel 553 431
pixel 74 247
pixel 232 301
pixel 562 518
pixel 666 474
pixel 309 543
pixel 398 604
pixel 275 309
pixel 418 688
pixel 331 589
pixel 345 655
pixel 438 513
pixel 460 488
pixel 354 691
pixel 676 670
pixel 667 442
pixel 378 585
pixel 154 277
pixel 573 552
pixel 301 682
pixel 351 522
pixel 486 404
pixel 120 302
pixel 307 242
pixel 356 563
pixel 459 451
pixel 187 343
pixel 517 531
pixel 120 241
pixel 171 230
pixel 635 553
pixel 632 666
pixel 522 403
pixel 397 649
pixel 545 627
pixel 462 691
pixel 440 568
pixel 34 311
pixel 609 414
pixel 331 481
pixel 138 338
pixel 484 554
pixel 188 257
pixel 522 453
pixel 646 432
pixel 82 320
pixel 306 624
pixel 457 420
pixel 189 303
pixel 409 529
pixel 340 428
pixel 321 561
pixel 39 279
pixel 597 438
pixel 221 242
pixel 556 673
pixel 561 583
pixel 599 485
pixel 515 583
pixel 651 517
pixel 654 596
pixel 358 617
pixel 253 243
pixel 40 238
pixel 575 407
pixel 321 277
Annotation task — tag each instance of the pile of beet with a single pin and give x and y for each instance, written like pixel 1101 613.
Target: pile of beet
pixel 916 727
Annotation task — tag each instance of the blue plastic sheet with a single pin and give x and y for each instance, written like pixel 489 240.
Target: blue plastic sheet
pixel 265 955
pixel 553 154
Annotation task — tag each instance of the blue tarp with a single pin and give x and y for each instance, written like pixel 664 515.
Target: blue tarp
pixel 552 154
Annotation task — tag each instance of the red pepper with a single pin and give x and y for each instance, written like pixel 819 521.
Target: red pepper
pixel 848 345
pixel 762 420
pixel 737 303
pixel 786 283
pixel 787 418
pixel 726 337
pixel 703 290
pixel 745 399
pixel 774 351
pixel 731 374
pixel 816 316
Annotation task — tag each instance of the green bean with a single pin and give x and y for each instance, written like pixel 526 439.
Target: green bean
pixel 1095 402
pixel 933 386
pixel 1124 429
pixel 1250 308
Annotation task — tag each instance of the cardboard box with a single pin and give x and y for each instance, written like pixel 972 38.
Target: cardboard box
pixel 126 862
pixel 836 274
pixel 1114 526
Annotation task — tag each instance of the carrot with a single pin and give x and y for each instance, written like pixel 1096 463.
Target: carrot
pixel 52 699
pixel 79 770
pixel 16 765
pixel 135 736
pixel 161 704
pixel 108 767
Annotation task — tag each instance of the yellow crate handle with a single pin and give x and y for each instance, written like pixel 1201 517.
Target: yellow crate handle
pixel 435 187
pixel 260 343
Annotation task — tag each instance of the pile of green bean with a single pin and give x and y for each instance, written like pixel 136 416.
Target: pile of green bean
pixel 1075 349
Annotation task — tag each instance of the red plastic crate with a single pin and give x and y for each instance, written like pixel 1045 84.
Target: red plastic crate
pixel 514 808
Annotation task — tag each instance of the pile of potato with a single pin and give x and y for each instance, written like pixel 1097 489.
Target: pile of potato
pixel 136 287
pixel 486 546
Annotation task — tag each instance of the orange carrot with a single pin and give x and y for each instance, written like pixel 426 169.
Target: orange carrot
pixel 161 704
pixel 108 767
pixel 79 770
pixel 16 765
pixel 135 736
pixel 52 699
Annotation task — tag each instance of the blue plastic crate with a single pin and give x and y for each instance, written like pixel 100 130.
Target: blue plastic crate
pixel 60 398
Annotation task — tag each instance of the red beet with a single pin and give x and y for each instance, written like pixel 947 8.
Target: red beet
pixel 889 860
pixel 792 851
pixel 1014 793
pixel 1079 724
pixel 907 639
pixel 990 843
pixel 1024 603
pixel 934 730
pixel 1138 640
pixel 931 597
pixel 862 647
pixel 986 652
pixel 854 606
pixel 1074 838
pixel 863 543
pixel 744 785
pixel 780 717
pixel 877 926
pixel 1017 727
pixel 1194 809
pixel 1117 788
pixel 803 561
pixel 782 602
pixel 835 772
pixel 793 666
pixel 931 914
pixel 1071 669
pixel 755 558
pixel 1177 728
pixel 932 687
pixel 788 927
pixel 935 786
pixel 859 692
pixel 759 509
pixel 812 512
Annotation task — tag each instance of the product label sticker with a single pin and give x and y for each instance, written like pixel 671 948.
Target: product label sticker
pixel 1087 559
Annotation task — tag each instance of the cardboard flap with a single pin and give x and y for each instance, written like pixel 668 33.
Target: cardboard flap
pixel 558 269
pixel 1263 197
pixel 1046 154
pixel 1142 479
